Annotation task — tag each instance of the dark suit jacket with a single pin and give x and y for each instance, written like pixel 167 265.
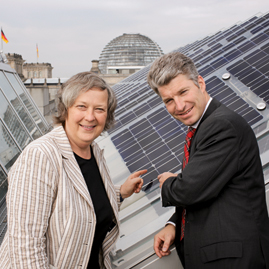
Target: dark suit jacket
pixel 222 189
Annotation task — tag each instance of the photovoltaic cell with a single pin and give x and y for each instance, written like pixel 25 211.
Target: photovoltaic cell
pixel 217 53
pixel 246 46
pixel 227 33
pixel 265 24
pixel 264 68
pixel 259 38
pixel 262 89
pixel 206 60
pixel 227 47
pixel 256 30
pixel 211 43
pixel 217 46
pixel 233 54
pixel 250 26
pixel 259 20
pixel 236 28
pixel 219 62
pixel 206 70
pixel 250 78
pixel 141 110
pixel 230 38
pixel 239 40
pixel 241 31
pixel 245 71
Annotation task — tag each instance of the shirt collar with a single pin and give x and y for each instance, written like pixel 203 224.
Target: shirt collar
pixel 206 107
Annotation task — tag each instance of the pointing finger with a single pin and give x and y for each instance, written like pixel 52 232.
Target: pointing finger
pixel 139 173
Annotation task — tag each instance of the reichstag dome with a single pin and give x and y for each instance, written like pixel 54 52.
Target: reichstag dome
pixel 128 53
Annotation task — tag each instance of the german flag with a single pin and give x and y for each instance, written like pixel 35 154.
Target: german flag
pixel 3 36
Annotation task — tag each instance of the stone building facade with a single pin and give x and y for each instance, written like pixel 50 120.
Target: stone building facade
pixel 111 79
pixel 37 70
pixel 16 62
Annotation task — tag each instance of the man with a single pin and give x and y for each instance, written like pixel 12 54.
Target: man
pixel 221 218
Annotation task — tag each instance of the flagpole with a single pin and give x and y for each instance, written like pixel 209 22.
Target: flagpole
pixel 36 53
pixel 1 40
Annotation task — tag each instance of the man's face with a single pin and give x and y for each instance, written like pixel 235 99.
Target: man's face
pixel 184 100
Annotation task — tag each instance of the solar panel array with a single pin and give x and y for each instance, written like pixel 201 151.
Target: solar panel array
pixel 146 136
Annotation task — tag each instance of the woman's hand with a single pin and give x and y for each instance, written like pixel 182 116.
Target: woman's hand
pixel 132 184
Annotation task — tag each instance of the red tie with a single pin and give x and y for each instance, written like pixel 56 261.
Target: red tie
pixel 186 156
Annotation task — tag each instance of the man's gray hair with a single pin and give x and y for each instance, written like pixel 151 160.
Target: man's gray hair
pixel 168 66
pixel 77 84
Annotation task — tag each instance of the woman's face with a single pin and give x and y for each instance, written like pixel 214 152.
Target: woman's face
pixel 86 118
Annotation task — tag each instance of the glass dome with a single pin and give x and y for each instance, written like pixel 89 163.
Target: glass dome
pixel 128 53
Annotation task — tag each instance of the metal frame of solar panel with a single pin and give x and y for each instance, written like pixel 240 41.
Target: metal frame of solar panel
pixel 146 136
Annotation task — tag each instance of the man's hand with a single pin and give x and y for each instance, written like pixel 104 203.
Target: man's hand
pixel 163 240
pixel 132 184
pixel 162 177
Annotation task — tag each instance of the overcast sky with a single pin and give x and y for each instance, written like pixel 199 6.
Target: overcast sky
pixel 70 34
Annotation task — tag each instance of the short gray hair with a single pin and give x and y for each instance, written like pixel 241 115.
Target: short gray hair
pixel 168 66
pixel 77 84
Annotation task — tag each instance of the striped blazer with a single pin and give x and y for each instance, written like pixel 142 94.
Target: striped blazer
pixel 51 219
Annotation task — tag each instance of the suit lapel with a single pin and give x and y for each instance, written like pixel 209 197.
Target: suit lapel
pixel 214 104
pixel 73 171
pixel 70 164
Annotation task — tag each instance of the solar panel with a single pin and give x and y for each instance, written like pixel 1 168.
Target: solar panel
pixel 148 137
pixel 253 70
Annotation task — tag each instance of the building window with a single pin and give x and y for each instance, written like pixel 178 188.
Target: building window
pixel 112 71
pixel 125 71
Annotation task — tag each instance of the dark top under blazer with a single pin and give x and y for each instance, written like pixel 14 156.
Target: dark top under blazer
pixel 222 189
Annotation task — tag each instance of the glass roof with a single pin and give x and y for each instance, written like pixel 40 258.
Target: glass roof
pixel 20 123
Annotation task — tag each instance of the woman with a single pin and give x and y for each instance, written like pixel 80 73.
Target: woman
pixel 62 206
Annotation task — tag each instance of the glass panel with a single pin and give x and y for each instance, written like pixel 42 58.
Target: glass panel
pixel 27 102
pixel 18 106
pixel 9 151
pixel 3 186
pixel 16 128
pixel 3 209
pixel 266 175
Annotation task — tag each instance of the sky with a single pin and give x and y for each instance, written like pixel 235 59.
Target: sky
pixel 70 34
